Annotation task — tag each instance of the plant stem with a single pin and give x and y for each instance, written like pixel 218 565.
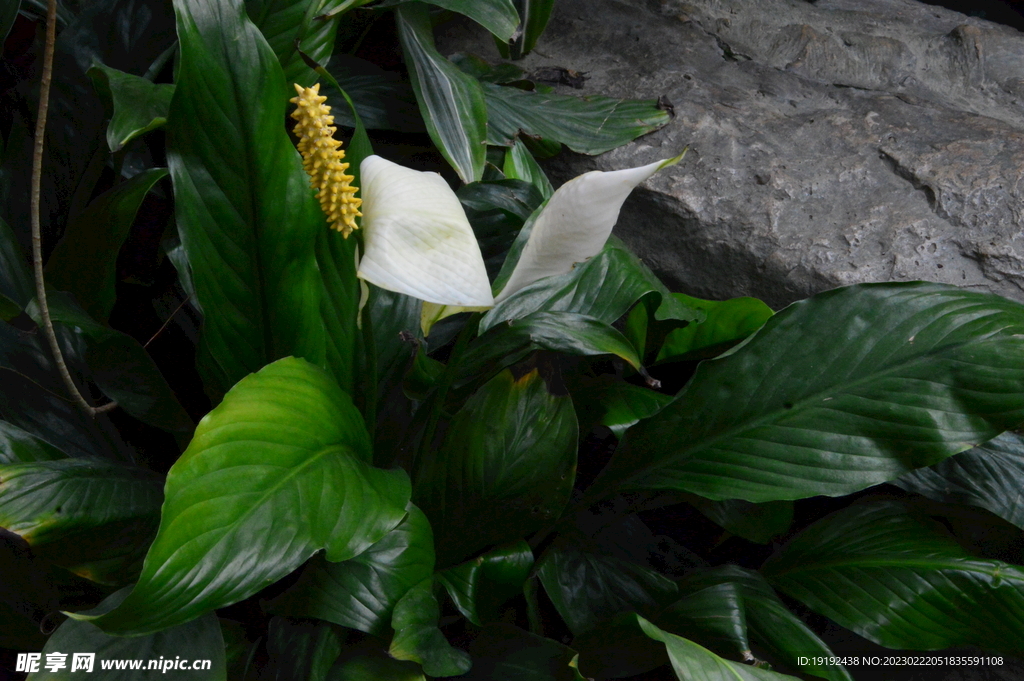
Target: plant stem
pixel 37 241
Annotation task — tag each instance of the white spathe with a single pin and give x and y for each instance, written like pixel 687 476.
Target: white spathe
pixel 576 223
pixel 417 238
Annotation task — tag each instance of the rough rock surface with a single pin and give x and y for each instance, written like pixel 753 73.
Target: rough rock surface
pixel 831 143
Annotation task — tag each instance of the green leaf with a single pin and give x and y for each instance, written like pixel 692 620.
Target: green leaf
pixel 139 105
pixel 691 661
pixel 535 15
pixel 770 623
pixel 727 323
pixel 479 587
pixel 615 403
pixel 902 376
pixel 990 476
pixel 503 652
pixel 303 651
pixel 587 125
pixel 382 98
pixel 16 283
pixel 246 215
pixel 604 287
pixel 520 164
pixel 19 446
pixel 759 523
pixel 8 308
pixel 497 16
pixel 279 470
pixel 506 467
pixel 84 263
pixel 361 593
pixel 451 102
pixel 588 587
pixel 497 210
pixel 417 638
pixel 375 668
pixel 8 13
pixel 898 578
pixel 94 518
pixel 617 647
pixel 197 641
pixel 567 332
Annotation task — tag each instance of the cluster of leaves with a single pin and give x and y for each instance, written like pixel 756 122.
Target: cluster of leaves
pixel 363 502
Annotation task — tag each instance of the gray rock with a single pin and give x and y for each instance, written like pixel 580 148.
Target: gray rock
pixel 832 143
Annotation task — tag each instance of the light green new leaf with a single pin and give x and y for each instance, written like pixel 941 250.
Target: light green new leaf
pixel 898 578
pixel 279 470
pixel 727 323
pixel 901 376
pixel 451 102
pixel 84 263
pixel 19 446
pixel 361 593
pixel 587 125
pixel 990 476
pixel 197 640
pixel 139 105
pixel 480 586
pixel 506 467
pixel 417 638
pixel 246 215
pixel 691 661
pixel 91 517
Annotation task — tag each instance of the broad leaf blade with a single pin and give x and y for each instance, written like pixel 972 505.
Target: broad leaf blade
pixel 727 323
pixel 506 467
pixel 361 593
pixel 901 376
pixel 245 212
pixel 715 616
pixel 451 102
pixel 139 105
pixel 417 638
pixel 520 164
pixel 279 470
pixel 898 578
pixel 990 476
pixel 293 25
pixel 19 446
pixel 479 587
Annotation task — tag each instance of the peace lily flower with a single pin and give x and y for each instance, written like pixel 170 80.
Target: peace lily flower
pixel 417 238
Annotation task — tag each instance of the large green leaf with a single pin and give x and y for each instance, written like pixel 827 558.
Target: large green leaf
pixel 361 593
pixel 138 104
pixel 279 470
pixel 92 517
pixel 506 467
pixel 714 615
pixel 898 578
pixel 497 16
pixel 990 476
pixel 901 376
pixel 727 323
pixel 691 661
pixel 451 102
pixel 615 403
pixel 303 651
pixel 587 125
pixel 18 446
pixel 84 263
pixel 245 212
pixel 479 587
pixel 127 659
pixel 417 638
pixel 604 287
pixel 503 652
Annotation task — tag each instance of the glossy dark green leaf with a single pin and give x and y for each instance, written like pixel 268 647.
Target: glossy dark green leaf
pixel 567 332
pixel 691 661
pixel 361 593
pixel 18 446
pixel 990 476
pixel 198 641
pixel 534 15
pixel 246 215
pixel 502 652
pixel 622 404
pixel 480 586
pixel 497 210
pixel 587 125
pixel 300 651
pixel 770 623
pixel 92 517
pixel 497 16
pixel 16 282
pixel 759 523
pixel 451 102
pixel 727 323
pixel 139 105
pixel 417 638
pixel 520 164
pixel 375 668
pixel 902 376
pixel 279 470
pixel 588 587
pixel 84 263
pixel 604 287
pixel 505 469
pixel 383 99
pixel 900 579
pixel 714 616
